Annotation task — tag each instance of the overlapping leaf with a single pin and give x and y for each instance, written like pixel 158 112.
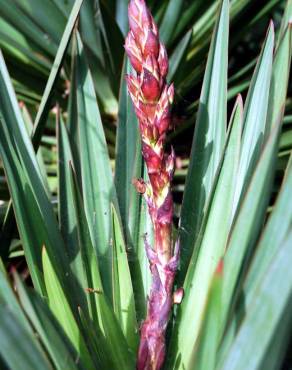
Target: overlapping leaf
pixel 97 179
pixel 208 139
pixel 211 246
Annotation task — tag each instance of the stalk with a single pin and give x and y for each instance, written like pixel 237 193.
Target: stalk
pixel 152 99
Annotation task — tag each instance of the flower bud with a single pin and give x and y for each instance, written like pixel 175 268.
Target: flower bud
pixel 170 164
pixel 170 93
pixel 147 132
pixel 148 109
pixel 150 44
pixel 153 26
pixel 152 159
pixel 162 113
pixel 163 103
pixel 139 17
pixel 163 61
pixel 151 64
pixel 165 211
pixel 133 53
pixel 150 85
pixel 133 85
pixel 163 122
pixel 140 185
pixel 133 88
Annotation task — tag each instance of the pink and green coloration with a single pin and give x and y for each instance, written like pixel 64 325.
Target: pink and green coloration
pixel 152 98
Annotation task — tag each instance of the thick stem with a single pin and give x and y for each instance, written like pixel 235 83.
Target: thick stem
pixel 162 241
pixel 152 343
pixel 163 267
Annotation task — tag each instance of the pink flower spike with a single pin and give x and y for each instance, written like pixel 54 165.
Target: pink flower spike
pixel 152 98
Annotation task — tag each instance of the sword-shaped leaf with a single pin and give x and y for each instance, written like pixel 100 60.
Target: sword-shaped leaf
pixel 208 139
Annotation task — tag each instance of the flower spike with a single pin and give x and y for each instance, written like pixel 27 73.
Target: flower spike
pixel 152 98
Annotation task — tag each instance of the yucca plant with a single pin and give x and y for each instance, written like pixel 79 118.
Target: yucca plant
pixel 88 257
pixel 29 48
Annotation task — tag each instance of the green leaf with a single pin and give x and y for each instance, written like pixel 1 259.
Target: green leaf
pixel 111 36
pixel 272 237
pixel 29 354
pixel 47 16
pixel 8 298
pixel 126 147
pixel 16 45
pixel 249 219
pixel 286 19
pixel 208 139
pixel 211 245
pixel 32 232
pixel 272 297
pixel 104 319
pixel 67 219
pixel 34 212
pixel 140 226
pixel 286 140
pixel 255 116
pixel 12 115
pixel 123 296
pixel 178 55
pixel 186 17
pixel 12 118
pixel 134 213
pixel 51 333
pixel 173 12
pixel 277 350
pixel 70 211
pixel 59 305
pixel 97 179
pixel 280 78
pixel 15 322
pixel 44 108
pixel 88 265
pixel 90 32
pixel 122 15
pixel 29 126
pixel 91 24
pixel 270 240
pixel 27 27
pixel 99 346
pixel 67 215
pixel 209 336
pixel 72 121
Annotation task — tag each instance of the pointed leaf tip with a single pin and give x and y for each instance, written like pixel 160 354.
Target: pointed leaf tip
pixel 44 250
pixel 271 28
pixel 239 101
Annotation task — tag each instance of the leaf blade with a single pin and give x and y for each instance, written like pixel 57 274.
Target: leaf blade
pixel 208 139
